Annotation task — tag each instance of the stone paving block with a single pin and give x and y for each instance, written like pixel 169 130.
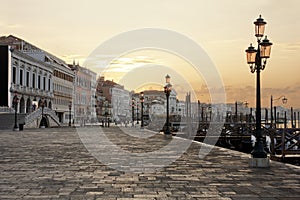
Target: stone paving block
pixel 54 164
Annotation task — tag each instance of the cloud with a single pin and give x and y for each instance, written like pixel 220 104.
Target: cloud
pixel 126 64
pixel 10 26
pixel 118 68
pixel 248 93
pixel 73 56
pixel 229 41
pixel 98 62
pixel 14 26
pixel 123 61
pixel 295 46
pixel 134 60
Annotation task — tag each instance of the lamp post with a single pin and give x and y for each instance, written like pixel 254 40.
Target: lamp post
pixel 15 102
pixel 199 122
pixel 142 109
pixel 70 107
pixel 132 108
pixel 284 101
pixel 137 113
pixel 257 60
pixel 167 90
pixel 106 113
pixel 42 105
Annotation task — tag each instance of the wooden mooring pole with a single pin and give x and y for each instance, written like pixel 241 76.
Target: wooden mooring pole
pixel 285 121
pixel 275 117
pixel 295 120
pixel 292 118
pixel 298 120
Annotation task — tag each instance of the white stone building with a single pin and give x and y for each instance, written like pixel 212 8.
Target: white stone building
pixel 54 82
pixel 155 102
pixel 121 104
pixel 28 78
pixel 181 108
pixel 63 83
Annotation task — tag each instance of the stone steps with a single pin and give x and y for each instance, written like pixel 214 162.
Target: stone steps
pixel 7 120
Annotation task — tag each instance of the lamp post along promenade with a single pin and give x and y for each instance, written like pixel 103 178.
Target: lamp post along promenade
pixel 70 107
pixel 167 90
pixel 132 107
pixel 284 101
pixel 16 101
pixel 137 113
pixel 43 119
pixel 142 109
pixel 257 59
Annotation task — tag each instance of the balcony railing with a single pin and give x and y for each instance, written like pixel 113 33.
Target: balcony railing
pixel 31 91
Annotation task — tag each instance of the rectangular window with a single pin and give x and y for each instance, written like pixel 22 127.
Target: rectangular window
pixel 49 82
pixel 27 79
pixel 21 76
pixel 39 82
pixel 14 75
pixel 33 80
pixel 44 83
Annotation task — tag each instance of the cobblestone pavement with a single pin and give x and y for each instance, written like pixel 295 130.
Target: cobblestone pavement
pixel 54 164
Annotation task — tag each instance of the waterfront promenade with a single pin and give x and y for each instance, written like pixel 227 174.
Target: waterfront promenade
pixel 54 164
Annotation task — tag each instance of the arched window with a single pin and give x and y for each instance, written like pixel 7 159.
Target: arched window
pixel 28 106
pixel 22 105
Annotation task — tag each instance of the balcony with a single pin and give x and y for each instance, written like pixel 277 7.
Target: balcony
pixel 30 91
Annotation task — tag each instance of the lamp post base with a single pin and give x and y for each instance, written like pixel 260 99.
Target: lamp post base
pixel 258 151
pixel 259 162
pixel 168 133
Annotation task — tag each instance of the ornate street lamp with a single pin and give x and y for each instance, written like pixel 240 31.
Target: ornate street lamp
pixel 257 60
pixel 167 90
pixel 42 105
pixel 132 107
pixel 142 109
pixel 137 113
pixel 70 107
pixel 284 101
pixel 106 113
pixel 199 118
pixel 15 102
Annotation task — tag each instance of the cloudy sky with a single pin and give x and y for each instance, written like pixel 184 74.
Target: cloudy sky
pixel 223 28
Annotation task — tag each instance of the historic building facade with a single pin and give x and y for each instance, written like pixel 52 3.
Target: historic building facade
pixel 155 102
pixel 63 87
pixel 49 77
pixel 26 77
pixel 113 101
pixel 121 108
pixel 84 95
